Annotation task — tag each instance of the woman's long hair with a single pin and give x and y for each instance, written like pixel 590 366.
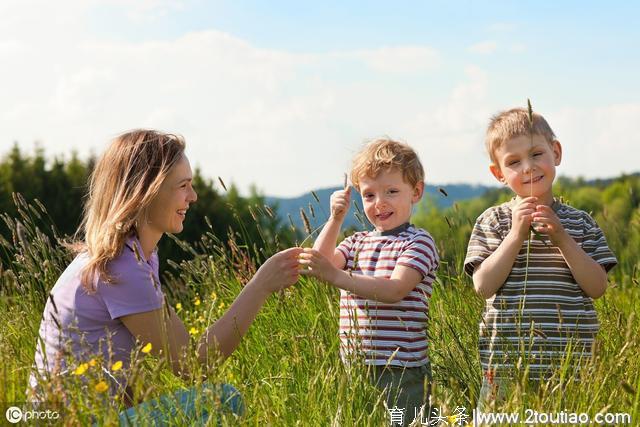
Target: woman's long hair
pixel 124 182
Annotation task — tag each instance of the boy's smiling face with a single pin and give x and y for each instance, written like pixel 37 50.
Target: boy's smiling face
pixel 528 169
pixel 388 199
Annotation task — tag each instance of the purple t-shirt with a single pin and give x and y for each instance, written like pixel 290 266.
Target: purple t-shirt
pixel 88 321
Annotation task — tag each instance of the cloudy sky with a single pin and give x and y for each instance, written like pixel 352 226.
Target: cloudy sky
pixel 280 94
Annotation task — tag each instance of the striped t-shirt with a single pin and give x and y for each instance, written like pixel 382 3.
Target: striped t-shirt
pixel 379 333
pixel 545 318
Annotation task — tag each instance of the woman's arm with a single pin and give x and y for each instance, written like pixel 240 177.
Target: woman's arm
pixel 167 333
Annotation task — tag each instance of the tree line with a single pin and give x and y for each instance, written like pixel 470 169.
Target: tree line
pixel 60 184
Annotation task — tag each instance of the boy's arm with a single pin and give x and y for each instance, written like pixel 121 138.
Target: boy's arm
pixel 326 241
pixel 491 274
pixel 403 279
pixel 589 275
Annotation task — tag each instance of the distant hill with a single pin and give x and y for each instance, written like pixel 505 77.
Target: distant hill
pixel 319 212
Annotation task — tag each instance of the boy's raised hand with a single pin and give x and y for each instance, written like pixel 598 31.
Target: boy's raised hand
pixel 521 217
pixel 548 223
pixel 340 203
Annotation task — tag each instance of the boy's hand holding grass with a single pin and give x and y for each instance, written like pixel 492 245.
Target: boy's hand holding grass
pixel 548 223
pixel 317 265
pixel 521 217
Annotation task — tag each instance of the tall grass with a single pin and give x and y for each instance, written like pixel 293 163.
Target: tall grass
pixel 287 367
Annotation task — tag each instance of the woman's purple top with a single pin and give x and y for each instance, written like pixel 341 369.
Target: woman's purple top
pixel 84 322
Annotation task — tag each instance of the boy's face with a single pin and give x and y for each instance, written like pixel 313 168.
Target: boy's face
pixel 388 199
pixel 528 169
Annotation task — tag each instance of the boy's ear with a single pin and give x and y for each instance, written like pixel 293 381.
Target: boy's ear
pixel 495 171
pixel 418 190
pixel 557 152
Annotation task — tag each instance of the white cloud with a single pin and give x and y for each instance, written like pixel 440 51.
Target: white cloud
pixel 286 122
pixel 598 142
pixel 449 137
pixel 400 59
pixel 483 48
pixel 144 11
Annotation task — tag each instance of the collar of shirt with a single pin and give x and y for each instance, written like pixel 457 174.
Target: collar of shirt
pixel 393 232
pixel 133 243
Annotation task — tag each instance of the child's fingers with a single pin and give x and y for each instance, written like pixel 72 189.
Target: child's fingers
pixel 526 218
pixel 544 208
pixel 525 213
pixel 542 218
pixel 530 199
pixel 542 229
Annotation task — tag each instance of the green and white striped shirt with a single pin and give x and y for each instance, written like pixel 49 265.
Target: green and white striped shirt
pixel 547 317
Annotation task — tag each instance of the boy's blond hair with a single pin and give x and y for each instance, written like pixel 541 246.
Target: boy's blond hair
pixel 513 123
pixel 384 154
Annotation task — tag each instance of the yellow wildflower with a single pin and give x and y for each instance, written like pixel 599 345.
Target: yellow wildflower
pixel 81 369
pixel 92 363
pixel 116 366
pixel 101 387
pixel 196 302
pixel 178 307
pixel 147 348
pixel 193 331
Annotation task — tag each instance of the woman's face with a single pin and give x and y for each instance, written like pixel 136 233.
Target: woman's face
pixel 168 210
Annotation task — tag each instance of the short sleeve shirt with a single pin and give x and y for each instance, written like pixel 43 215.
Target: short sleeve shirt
pixel 88 324
pixel 380 333
pixel 541 305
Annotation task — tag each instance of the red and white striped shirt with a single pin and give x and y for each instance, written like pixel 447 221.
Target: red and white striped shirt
pixel 387 333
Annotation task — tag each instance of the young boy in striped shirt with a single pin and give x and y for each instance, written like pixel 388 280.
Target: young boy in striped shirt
pixel 385 275
pixel 539 307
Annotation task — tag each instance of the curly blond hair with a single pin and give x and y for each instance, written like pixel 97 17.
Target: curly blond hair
pixel 384 154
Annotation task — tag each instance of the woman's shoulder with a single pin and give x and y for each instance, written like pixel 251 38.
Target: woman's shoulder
pixel 70 277
pixel 131 259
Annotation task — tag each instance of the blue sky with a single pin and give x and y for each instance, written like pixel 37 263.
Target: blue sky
pixel 281 94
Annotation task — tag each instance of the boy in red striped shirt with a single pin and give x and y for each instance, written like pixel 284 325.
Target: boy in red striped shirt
pixel 385 275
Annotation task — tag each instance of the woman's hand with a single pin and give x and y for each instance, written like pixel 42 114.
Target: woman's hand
pixel 280 271
pixel 318 265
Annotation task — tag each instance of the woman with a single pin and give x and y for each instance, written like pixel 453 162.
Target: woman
pixel 108 301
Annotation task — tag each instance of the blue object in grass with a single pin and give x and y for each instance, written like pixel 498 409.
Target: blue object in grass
pixel 193 407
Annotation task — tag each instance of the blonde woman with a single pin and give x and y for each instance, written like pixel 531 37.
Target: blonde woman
pixel 109 298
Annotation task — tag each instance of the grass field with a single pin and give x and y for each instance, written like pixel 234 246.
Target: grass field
pixel 287 367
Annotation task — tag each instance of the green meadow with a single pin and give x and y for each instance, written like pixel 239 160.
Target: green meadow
pixel 287 367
